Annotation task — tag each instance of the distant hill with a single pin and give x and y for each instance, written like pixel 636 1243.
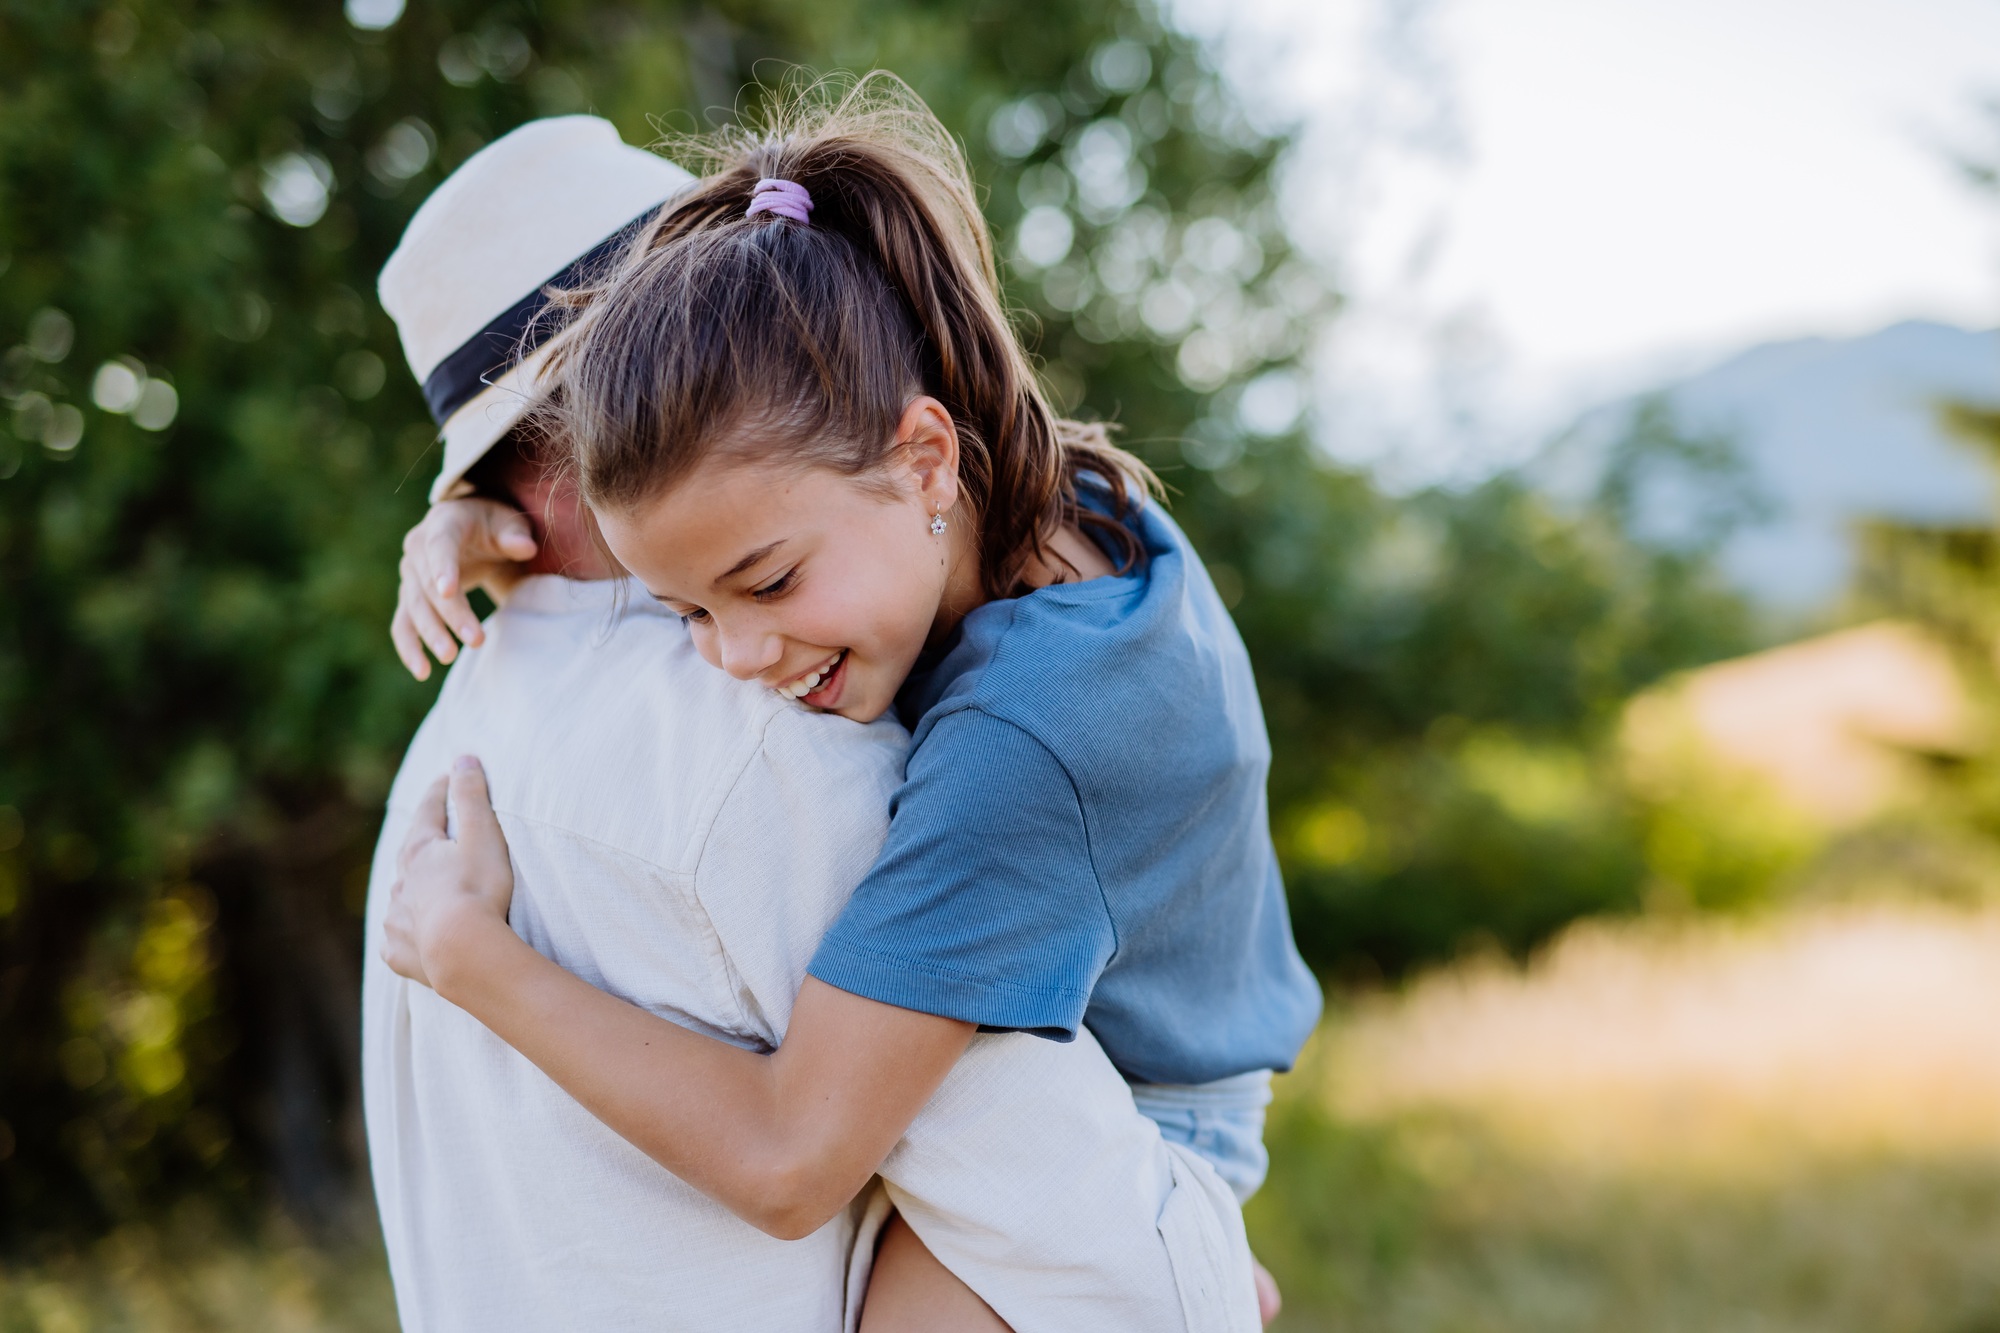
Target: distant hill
pixel 1835 430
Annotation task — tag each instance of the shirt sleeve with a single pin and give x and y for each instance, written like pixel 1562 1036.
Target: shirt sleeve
pixel 984 905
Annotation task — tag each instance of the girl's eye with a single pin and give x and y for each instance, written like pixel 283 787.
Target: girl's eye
pixel 779 586
pixel 694 617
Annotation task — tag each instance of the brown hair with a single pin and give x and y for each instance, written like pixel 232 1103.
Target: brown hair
pixel 763 335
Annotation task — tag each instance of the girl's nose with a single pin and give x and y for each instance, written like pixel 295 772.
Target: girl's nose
pixel 748 654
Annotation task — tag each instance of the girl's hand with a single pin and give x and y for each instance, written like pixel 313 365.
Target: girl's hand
pixel 459 545
pixel 451 892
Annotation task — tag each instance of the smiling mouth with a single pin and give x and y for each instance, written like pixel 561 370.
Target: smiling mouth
pixel 804 685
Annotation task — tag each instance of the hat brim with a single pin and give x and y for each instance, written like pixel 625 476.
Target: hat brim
pixel 485 420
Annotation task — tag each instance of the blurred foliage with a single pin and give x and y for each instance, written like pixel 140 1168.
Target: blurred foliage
pixel 1946 578
pixel 212 450
pixel 193 1271
pixel 1445 675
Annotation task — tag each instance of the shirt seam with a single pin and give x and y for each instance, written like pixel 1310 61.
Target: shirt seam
pixel 736 980
pixel 943 973
pixel 580 836
pixel 693 893
pixel 972 705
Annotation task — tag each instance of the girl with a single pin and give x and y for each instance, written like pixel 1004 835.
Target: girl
pixel 803 422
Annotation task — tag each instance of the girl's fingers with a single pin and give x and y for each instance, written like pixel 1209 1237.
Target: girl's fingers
pixel 453 615
pixel 478 532
pixel 409 647
pixel 455 611
pixel 429 627
pixel 477 824
pixel 445 543
pixel 426 825
pixel 513 537
pixel 399 945
pixel 488 872
pixel 459 544
pixel 444 532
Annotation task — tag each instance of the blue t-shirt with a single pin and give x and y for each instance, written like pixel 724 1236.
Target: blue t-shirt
pixel 1082 835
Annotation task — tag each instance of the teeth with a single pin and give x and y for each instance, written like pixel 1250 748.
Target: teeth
pixel 799 689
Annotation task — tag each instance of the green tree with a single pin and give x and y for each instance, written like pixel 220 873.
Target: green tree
pixel 213 449
pixel 1946 577
pixel 1446 674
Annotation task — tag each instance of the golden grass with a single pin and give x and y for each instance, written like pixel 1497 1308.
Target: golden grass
pixel 1725 1045
pixel 1790 1126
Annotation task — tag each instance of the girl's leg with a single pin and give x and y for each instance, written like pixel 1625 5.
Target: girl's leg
pixel 911 1292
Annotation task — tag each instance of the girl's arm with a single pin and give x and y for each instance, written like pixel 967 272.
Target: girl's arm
pixel 783 1140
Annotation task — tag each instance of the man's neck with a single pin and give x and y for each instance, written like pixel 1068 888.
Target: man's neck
pixel 565 541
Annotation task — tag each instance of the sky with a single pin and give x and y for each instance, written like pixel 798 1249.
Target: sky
pixel 1539 204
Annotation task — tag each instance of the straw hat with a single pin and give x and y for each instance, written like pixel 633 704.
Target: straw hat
pixel 542 206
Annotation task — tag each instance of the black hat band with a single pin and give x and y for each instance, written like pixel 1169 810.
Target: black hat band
pixel 516 332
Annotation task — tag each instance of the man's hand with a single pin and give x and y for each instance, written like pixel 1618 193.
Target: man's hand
pixel 449 891
pixel 459 545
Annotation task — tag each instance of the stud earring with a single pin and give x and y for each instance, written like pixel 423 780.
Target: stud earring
pixel 938 525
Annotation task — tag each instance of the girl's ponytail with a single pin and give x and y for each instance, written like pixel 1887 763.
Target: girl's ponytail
pixel 816 334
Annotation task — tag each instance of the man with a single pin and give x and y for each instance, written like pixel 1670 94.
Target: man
pixel 682 839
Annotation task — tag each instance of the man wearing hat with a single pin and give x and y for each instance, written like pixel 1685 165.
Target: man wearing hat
pixel 682 839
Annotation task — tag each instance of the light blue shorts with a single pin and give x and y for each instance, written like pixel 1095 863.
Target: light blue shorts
pixel 1223 1121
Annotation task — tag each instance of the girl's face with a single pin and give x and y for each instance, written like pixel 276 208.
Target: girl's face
pixel 820 586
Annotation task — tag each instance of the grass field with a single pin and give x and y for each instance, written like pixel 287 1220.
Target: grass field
pixel 1792 1125
pixel 188 1275
pixel 1783 1126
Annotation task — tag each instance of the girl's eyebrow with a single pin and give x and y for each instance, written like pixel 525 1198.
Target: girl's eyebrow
pixel 747 561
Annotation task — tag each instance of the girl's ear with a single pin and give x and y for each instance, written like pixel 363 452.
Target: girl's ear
pixel 928 443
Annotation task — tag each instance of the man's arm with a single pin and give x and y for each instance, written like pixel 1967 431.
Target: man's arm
pixel 783 1140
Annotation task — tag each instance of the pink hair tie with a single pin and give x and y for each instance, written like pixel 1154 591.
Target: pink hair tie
pixel 785 198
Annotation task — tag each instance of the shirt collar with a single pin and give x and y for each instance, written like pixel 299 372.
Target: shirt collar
pixel 552 594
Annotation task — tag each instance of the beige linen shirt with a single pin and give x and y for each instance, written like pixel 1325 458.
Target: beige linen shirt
pixel 682 840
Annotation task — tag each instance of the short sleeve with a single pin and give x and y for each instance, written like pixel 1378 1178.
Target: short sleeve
pixel 984 905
